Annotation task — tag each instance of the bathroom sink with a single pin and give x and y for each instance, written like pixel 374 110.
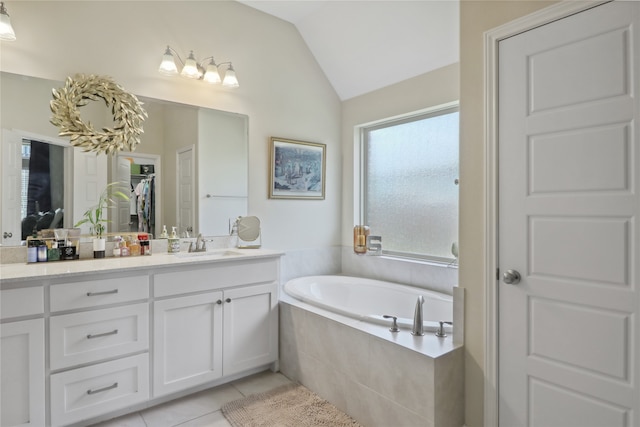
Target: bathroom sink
pixel 209 254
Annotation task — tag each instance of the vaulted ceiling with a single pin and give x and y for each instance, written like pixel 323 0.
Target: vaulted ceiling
pixel 364 45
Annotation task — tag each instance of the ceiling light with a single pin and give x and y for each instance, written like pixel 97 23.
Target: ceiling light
pixel 6 30
pixel 193 70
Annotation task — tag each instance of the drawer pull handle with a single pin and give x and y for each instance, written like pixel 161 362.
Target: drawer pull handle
pixel 111 387
pixel 115 331
pixel 227 300
pixel 93 294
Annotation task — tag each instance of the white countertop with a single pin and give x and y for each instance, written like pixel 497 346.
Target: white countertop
pixel 55 269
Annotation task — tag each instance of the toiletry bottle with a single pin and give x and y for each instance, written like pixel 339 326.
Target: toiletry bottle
pixel 124 248
pixel 42 252
pixel 116 246
pixel 174 242
pixel 32 251
pixel 145 244
pixel 134 248
pixel 360 233
pixel 53 253
pixel 164 234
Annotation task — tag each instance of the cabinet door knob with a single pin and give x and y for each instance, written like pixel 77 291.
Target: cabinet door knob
pixel 227 300
pixel 219 302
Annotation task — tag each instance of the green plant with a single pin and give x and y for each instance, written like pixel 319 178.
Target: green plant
pixel 97 215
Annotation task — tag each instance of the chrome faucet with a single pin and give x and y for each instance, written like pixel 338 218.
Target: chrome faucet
pixel 418 327
pixel 200 246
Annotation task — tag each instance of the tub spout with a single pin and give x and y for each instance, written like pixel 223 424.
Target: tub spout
pixel 418 327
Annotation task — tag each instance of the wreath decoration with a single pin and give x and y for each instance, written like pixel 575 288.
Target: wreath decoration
pixel 127 111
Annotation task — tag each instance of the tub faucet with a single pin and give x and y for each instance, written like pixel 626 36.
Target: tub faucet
pixel 418 327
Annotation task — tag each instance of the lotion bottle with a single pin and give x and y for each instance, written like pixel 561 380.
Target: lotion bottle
pixel 174 242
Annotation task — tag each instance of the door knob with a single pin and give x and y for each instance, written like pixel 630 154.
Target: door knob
pixel 7 235
pixel 511 277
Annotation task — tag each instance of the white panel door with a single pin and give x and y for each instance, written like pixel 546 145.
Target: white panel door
pixel 568 200
pixel 186 190
pixel 89 180
pixel 11 177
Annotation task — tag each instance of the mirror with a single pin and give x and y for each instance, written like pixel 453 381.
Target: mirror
pixel 199 158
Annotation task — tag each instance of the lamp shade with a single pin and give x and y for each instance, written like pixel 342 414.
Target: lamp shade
pixel 6 30
pixel 230 79
pixel 168 64
pixel 190 69
pixel 212 75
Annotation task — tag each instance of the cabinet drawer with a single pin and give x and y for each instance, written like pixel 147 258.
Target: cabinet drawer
pixel 85 393
pixel 216 277
pixel 97 335
pixel 21 302
pixel 94 293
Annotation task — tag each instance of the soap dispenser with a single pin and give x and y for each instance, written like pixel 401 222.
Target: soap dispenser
pixel 174 242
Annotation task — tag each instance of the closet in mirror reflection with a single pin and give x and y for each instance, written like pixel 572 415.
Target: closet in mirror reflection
pixel 141 176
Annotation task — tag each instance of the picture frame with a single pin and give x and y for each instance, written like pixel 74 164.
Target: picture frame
pixel 297 169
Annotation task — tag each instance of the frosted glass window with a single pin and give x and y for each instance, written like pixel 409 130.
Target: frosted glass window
pixel 410 173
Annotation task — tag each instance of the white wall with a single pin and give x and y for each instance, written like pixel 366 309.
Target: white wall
pixel 282 89
pixel 222 172
pixel 476 17
pixel 427 90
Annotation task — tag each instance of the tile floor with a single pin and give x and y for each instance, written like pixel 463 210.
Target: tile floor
pixel 200 409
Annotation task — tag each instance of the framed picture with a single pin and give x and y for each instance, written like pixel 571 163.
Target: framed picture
pixel 297 169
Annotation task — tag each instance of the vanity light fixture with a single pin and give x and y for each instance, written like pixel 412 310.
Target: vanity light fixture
pixel 191 69
pixel 6 30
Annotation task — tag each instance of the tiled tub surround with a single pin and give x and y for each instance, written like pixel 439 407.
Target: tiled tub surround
pixel 378 377
pixel 422 274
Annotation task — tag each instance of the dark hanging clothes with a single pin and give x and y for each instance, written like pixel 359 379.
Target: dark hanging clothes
pixel 39 187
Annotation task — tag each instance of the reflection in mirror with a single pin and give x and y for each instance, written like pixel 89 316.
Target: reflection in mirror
pixel 42 189
pixel 209 148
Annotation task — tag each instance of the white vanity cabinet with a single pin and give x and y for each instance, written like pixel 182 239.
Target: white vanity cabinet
pixel 212 322
pixel 250 327
pixel 188 342
pixel 22 373
pixel 81 341
pixel 111 334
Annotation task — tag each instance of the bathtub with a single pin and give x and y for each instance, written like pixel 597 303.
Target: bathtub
pixel 334 341
pixel 368 300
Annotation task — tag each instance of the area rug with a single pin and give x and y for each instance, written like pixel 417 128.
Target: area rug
pixel 290 405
